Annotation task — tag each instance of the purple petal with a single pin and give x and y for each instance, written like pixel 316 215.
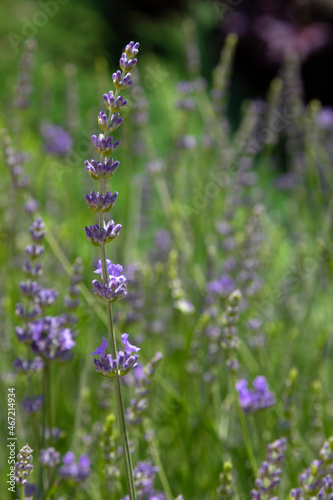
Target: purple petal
pixel 100 351
pixel 129 348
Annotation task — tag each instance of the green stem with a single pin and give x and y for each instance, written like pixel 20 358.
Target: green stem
pixel 21 492
pixel 116 379
pixel 117 386
pixel 44 419
pixel 243 425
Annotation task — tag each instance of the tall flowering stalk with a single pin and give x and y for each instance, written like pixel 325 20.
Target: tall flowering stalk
pixel 269 474
pixel 113 283
pixel 23 468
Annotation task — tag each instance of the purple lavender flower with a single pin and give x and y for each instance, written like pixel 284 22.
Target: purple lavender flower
pixel 115 289
pixel 23 466
pixel 269 474
pixel 121 82
pixel 13 162
pixel 37 230
pixel 252 400
pixel 25 314
pixel 187 142
pixel 113 284
pixel 317 480
pixel 101 203
pixel 104 146
pixel 32 405
pixel 144 475
pixel 324 118
pixel 222 286
pixel 98 236
pixel 125 63
pixel 31 206
pixel 75 471
pixel 112 103
pixel 49 457
pixel 124 362
pixel 50 339
pixel 98 170
pixel 132 49
pixel 56 140
pixel 33 366
pixel 46 296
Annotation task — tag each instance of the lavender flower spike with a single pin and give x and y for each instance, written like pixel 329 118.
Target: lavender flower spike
pixel 252 400
pixel 115 288
pixel 75 471
pixel 98 236
pixel 269 473
pixel 123 363
pixel 23 466
pixel 112 286
pixel 49 457
pixel 98 170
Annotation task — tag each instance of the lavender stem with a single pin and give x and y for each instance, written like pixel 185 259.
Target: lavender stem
pixel 117 386
pixel 243 425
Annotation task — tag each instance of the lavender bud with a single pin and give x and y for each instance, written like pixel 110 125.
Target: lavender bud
pixel 99 203
pixel 103 145
pixel 99 170
pixel 132 49
pixel 23 466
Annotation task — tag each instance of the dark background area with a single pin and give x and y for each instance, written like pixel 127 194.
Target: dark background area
pixel 267 30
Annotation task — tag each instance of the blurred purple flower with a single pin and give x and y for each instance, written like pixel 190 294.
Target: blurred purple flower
pixel 252 400
pixel 75 471
pixel 57 140
pixel 222 286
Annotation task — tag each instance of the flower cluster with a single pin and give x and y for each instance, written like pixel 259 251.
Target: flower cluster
pixel 317 480
pixel 252 400
pixel 112 285
pixel 269 474
pixel 49 457
pixel 222 286
pixel 144 379
pixel 30 366
pixel 72 470
pixel 225 490
pixel 122 364
pixel 230 339
pixel 48 336
pixel 23 466
pixel 115 288
pixel 32 405
pixel 14 161
pixel 144 475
